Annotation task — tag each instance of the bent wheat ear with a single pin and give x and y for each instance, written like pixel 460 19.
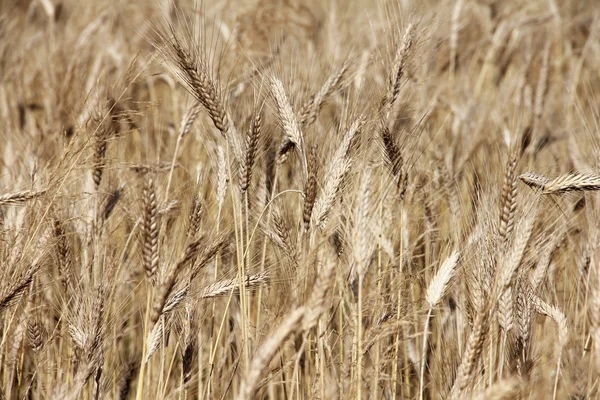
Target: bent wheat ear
pixel 310 110
pixel 221 288
pixel 204 87
pixel 392 153
pixel 437 287
pixel 286 114
pixel 14 291
pixel 534 180
pixel 572 182
pixel 400 61
pixel 334 175
pixel 556 315
pixel 469 361
pixel 19 197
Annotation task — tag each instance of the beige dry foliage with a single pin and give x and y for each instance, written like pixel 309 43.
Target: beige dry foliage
pixel 299 199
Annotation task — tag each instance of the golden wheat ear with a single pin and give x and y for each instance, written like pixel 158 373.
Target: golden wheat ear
pixel 534 180
pixel 572 182
pixel 20 197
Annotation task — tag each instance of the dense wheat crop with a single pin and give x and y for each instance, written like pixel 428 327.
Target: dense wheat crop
pixel 281 199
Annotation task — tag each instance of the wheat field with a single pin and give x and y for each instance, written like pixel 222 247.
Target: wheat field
pixel 280 199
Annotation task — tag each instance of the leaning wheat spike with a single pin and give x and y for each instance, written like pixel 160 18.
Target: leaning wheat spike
pixel 195 217
pixel 63 253
pixel 300 319
pixel 435 291
pixel 150 230
pixel 470 358
pixel 155 338
pixel 318 296
pixel 203 86
pixel 400 61
pixel 505 310
pixel 224 287
pixel 312 108
pixel 12 292
pixel 534 180
pixel 267 350
pixel 512 259
pixel 208 253
pixel 169 282
pixel 439 284
pixel 334 175
pixel 34 334
pixel 556 315
pixel 111 201
pixel 572 182
pixel 289 123
pixel 251 147
pixel 310 188
pixel 189 118
pixel 545 257
pixel 20 197
pixel 124 384
pixel 100 145
pixel 190 343
pixel 508 202
pixel 392 154
pixel 523 331
pixel 97 328
pixel 12 349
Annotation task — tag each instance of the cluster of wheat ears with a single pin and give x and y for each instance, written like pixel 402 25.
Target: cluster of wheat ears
pixel 283 199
